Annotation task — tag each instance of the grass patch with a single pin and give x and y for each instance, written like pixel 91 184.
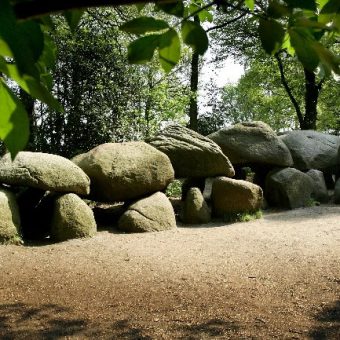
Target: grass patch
pixel 243 217
pixel 312 203
pixel 15 240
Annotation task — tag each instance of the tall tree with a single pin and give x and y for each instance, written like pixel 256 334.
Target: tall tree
pixel 239 38
pixel 24 41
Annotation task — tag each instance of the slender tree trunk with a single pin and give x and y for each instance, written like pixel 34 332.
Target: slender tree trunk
pixel 193 109
pixel 312 91
pixel 307 120
pixel 288 90
pixel 148 104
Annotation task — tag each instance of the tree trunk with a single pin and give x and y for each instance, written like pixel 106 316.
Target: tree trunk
pixel 288 90
pixel 312 91
pixel 193 109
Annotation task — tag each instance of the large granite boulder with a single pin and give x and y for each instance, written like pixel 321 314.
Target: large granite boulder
pixel 252 142
pixel 9 218
pixel 44 171
pixel 195 209
pixel 312 149
pixel 337 192
pixel 191 154
pixel 320 192
pixel 72 218
pixel 230 196
pixel 288 188
pixel 153 213
pixel 124 171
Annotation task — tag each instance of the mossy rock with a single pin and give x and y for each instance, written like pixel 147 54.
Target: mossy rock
pixel 72 218
pixel 10 218
pixel 153 213
pixel 230 196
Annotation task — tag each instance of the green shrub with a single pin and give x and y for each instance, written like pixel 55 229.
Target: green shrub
pixel 174 189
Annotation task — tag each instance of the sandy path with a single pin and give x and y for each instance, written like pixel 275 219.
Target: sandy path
pixel 278 277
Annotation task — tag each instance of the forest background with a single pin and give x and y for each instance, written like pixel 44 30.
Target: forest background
pixel 106 98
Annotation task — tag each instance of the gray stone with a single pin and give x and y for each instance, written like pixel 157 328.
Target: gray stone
pixel 231 196
pixel 9 218
pixel 337 192
pixel 189 183
pixel 320 192
pixel 312 149
pixel 252 142
pixel 125 171
pixel 195 209
pixel 153 213
pixel 288 188
pixel 208 188
pixel 72 218
pixel 44 171
pixel 191 154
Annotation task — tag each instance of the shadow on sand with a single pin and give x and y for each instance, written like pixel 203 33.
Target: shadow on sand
pixel 211 329
pixel 50 321
pixel 328 327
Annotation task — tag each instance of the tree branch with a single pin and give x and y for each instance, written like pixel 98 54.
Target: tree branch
pixel 288 89
pixel 35 8
pixel 226 23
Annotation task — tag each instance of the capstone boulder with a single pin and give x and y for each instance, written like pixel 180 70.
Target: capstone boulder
pixel 125 171
pixel 312 149
pixel 252 142
pixel 191 154
pixel 44 171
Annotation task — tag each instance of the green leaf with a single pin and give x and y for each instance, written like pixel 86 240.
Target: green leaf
pixel 15 40
pixel 304 22
pixel 271 34
pixel 143 25
pixel 302 41
pixel 329 61
pixel 4 49
pixel 205 15
pixel 288 46
pixel 47 22
pixel 169 50
pixel 303 4
pixel 195 36
pixel 174 8
pixel 30 85
pixel 73 17
pixel 140 7
pixel 14 123
pixel 142 49
pixel 34 37
pixel 331 7
pixel 48 57
pixel 278 10
pixel 250 4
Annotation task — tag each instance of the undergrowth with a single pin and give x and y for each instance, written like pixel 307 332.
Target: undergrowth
pixel 243 217
pixel 174 189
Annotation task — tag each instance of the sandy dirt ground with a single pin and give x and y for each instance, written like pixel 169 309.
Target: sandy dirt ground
pixel 273 278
